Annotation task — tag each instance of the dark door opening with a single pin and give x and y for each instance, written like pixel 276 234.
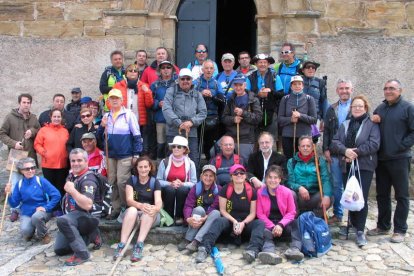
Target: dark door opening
pixel 236 28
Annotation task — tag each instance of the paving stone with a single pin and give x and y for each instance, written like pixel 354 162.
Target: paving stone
pixel 373 257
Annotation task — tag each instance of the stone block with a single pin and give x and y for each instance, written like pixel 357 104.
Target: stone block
pixel 263 27
pixel 317 5
pixel 133 4
pixel 125 21
pixel 169 43
pixel 81 11
pixel 57 29
pixel 277 26
pixel 275 7
pixel 9 28
pixel 153 42
pixel 153 33
pixel 345 9
pixel 386 15
pixel 326 27
pixel 93 31
pixel 154 23
pixel 134 42
pixel 300 25
pixel 125 31
pixel 16 11
pixel 49 11
pixel 409 10
pixel 295 5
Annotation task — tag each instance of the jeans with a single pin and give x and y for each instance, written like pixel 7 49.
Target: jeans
pixel 198 234
pixel 174 200
pixel 338 184
pixel 393 173
pixel 37 222
pixel 291 230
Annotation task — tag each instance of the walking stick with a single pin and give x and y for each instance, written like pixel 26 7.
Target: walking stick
pixel 124 250
pixel 318 173
pixel 201 142
pixel 294 136
pixel 5 201
pixel 238 138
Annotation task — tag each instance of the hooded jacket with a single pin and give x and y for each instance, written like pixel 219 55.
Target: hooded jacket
pixel 50 143
pixel 150 73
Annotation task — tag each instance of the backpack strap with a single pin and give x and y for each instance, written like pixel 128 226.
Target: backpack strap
pixel 199 189
pixel 236 159
pixel 247 187
pixel 152 183
pixel 230 189
pixel 219 159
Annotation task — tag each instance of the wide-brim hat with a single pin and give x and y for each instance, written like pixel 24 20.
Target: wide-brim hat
pixel 311 62
pixel 258 57
pixel 179 141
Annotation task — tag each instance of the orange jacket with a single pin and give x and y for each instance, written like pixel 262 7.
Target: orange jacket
pixel 50 143
pixel 145 99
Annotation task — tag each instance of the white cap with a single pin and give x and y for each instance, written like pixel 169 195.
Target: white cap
pixel 185 72
pixel 296 78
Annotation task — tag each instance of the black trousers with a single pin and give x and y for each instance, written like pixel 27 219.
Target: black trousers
pixel 393 173
pixel 287 145
pixel 174 198
pixel 359 218
pixel 253 232
pixel 57 177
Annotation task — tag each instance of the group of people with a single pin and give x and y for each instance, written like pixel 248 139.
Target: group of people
pixel 241 120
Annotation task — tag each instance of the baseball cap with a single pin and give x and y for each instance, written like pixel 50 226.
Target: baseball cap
pixel 296 78
pixel 227 56
pixel 115 93
pixel 185 72
pixel 239 79
pixel 236 167
pixel 88 135
pixel 76 90
pixel 85 100
pixel 165 62
pixel 209 167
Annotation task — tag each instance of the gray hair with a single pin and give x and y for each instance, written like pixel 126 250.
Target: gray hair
pixel 397 81
pixel 21 162
pixel 343 81
pixel 79 150
pixel 208 61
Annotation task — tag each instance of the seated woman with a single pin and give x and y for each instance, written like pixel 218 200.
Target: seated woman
pixel 237 202
pixel 143 195
pixel 358 138
pixel 201 208
pixel 303 180
pixel 177 174
pixel 276 208
pixel 37 197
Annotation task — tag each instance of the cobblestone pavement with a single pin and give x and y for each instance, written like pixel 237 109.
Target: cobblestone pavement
pixel 379 257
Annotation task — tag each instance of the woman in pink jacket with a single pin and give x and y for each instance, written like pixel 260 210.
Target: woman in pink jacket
pixel 276 208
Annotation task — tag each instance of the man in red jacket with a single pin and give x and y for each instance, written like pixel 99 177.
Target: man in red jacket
pixel 96 157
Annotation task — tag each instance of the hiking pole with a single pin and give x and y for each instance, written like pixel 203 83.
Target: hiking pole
pixel 238 138
pixel 318 173
pixel 124 249
pixel 201 142
pixel 5 201
pixel 294 136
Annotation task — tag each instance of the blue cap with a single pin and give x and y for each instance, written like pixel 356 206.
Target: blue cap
pixel 239 79
pixel 85 100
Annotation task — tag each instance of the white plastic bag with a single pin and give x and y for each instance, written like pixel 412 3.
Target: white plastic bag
pixel 352 197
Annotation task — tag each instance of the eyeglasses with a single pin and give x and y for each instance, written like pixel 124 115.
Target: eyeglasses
pixel 177 146
pixel 228 145
pixel 166 67
pixel 358 106
pixel 185 79
pixel 286 52
pixel 389 88
pixel 201 51
pixel 76 160
pixel 85 116
pixel 29 169
pixel 310 67
pixel 133 70
pixel 239 173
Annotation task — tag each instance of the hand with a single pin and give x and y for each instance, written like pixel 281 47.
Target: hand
pixel 303 193
pixel 257 183
pixel 69 187
pixel 78 125
pixel 41 209
pixel 7 189
pixel 241 227
pixel 237 119
pixel 351 154
pixel 206 93
pixel 28 134
pixel 294 120
pixel 236 227
pixel 161 103
pixel 18 145
pixel 277 231
pixel 133 160
pixel 238 111
pixel 327 154
pixel 179 183
pixel 296 114
pixel 186 126
pixel 321 126
pixel 376 118
pixel 145 88
pixel 104 121
pixel 326 202
pixel 263 94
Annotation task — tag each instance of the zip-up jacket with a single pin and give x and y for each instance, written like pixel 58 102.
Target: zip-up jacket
pixel 191 200
pixel 159 88
pixel 217 98
pixel 50 143
pixel 150 73
pixel 316 88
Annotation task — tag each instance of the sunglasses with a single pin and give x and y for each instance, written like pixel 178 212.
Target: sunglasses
pixel 286 52
pixel 29 169
pixel 185 79
pixel 85 116
pixel 310 67
pixel 133 71
pixel 166 67
pixel 177 147
pixel 201 51
pixel 239 173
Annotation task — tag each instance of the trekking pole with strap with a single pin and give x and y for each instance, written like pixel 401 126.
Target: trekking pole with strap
pixel 294 136
pixel 318 173
pixel 5 201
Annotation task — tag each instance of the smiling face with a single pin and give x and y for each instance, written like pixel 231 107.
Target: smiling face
pixel 141 58
pixel 392 91
pixel 56 117
pixel 265 143
pixel 89 145
pixel 358 108
pixel 262 65
pixel 272 180
pixel 78 163
pixel 201 53
pixel 208 178
pixel 132 72
pixel 227 146
pixel 227 65
pixel 208 69
pixel 117 61
pixel 287 55
pixel 185 83
pixel 296 86
pixel 86 117
pixel 28 170
pixel 178 150
pixel 306 146
pixel 143 168
pixel 238 177
pixel 344 91
pixel 161 55
pixel 309 70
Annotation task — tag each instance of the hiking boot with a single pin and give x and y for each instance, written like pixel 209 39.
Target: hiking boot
pixel 397 237
pixel 269 258
pixel 113 216
pixel 378 232
pixel 14 216
pixel 46 239
pixel 294 254
pixel 361 240
pixel 118 250
pixel 182 245
pixel 351 231
pixel 29 238
pixel 73 261
pixel 97 243
pixel 334 220
pixel 201 254
pixel 249 256
pixel 192 246
pixel 137 252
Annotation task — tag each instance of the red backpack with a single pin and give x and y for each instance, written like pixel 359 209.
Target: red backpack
pixel 247 186
pixel 219 159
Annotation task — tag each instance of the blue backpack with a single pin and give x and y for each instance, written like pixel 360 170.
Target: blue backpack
pixel 316 238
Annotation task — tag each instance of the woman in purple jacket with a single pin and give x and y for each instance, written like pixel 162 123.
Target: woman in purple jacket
pixel 276 208
pixel 201 208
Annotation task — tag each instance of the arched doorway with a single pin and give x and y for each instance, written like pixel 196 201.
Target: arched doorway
pixel 223 25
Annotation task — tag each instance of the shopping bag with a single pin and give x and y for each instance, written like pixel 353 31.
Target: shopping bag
pixel 352 197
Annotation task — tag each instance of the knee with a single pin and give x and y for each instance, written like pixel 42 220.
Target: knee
pixel 36 217
pixel 199 211
pixel 62 222
pixel 26 231
pixel 214 214
pixel 183 190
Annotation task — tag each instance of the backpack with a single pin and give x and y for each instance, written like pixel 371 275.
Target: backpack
pixel 247 186
pixel 199 189
pixel 40 184
pixel 316 238
pixel 152 181
pixel 219 159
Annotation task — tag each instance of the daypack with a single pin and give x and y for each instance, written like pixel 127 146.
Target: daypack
pixel 152 181
pixel 219 159
pixel 40 184
pixel 316 238
pixel 199 189
pixel 247 186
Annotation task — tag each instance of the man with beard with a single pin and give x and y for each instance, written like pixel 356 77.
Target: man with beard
pixel 141 61
pixel 245 67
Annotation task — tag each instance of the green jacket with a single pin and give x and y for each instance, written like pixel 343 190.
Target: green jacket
pixel 304 174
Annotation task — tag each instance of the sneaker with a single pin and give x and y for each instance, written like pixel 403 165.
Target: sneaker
pixel 360 239
pixel 378 232
pixel 249 256
pixel 334 220
pixel 73 261
pixel 46 239
pixel 182 245
pixel 201 254
pixel 29 238
pixel 97 243
pixel 397 237
pixel 192 246
pixel 294 254
pixel 351 231
pixel 137 252
pixel 113 216
pixel 118 250
pixel 269 258
pixel 14 216
pixel 179 221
